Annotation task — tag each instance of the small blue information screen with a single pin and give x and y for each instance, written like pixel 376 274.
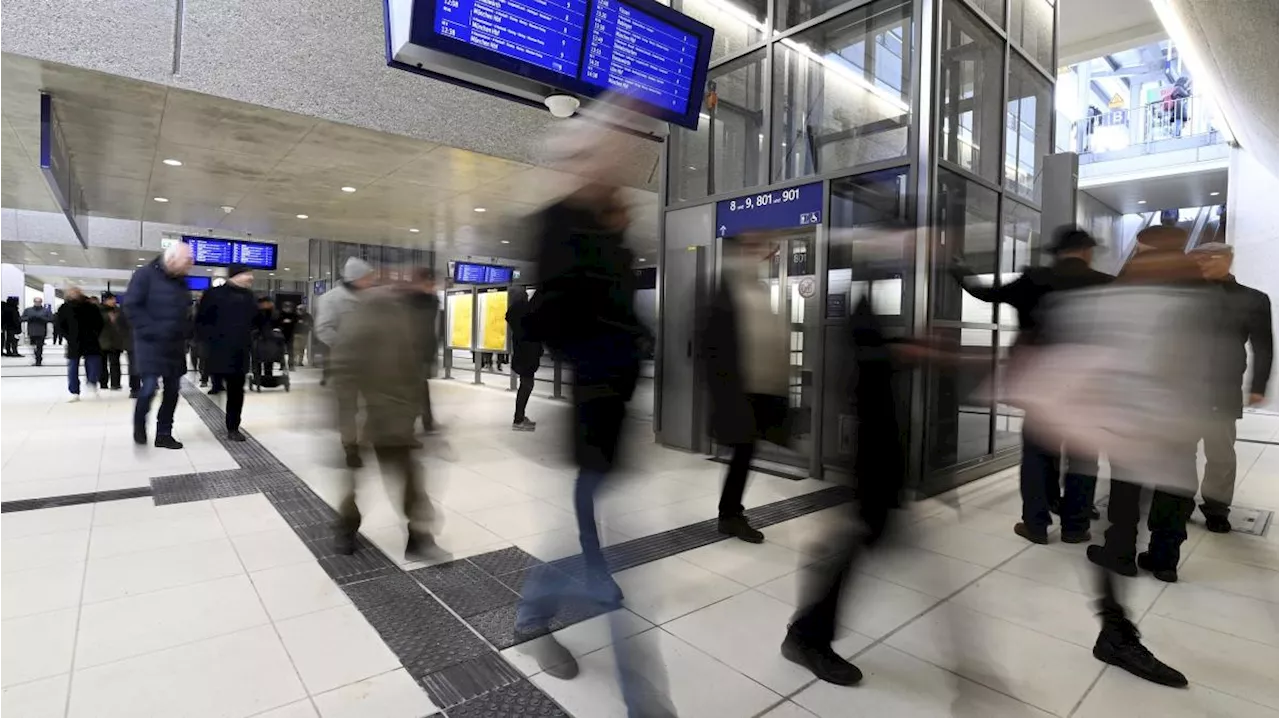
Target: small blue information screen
pixel 213 252
pixel 636 54
pixel 545 33
pixel 469 273
pixel 780 209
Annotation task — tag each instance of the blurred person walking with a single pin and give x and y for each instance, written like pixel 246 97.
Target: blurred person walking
pixel 12 325
pixel 746 347
pixel 377 355
pixel 126 336
pixel 526 356
pixel 112 343
pixel 302 335
pixel 81 324
pixel 426 308
pixel 331 311
pixel 1246 314
pixel 37 317
pixel 1041 467
pixel 585 313
pixel 225 315
pixel 157 308
pixel 287 323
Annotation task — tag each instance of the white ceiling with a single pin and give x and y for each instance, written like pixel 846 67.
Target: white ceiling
pixel 1092 28
pixel 1191 189
pixel 268 166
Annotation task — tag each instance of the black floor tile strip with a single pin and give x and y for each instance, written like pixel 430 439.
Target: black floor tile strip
pixel 1259 441
pixel 92 497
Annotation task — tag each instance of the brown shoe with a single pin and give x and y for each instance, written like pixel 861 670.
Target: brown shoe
pixel 1022 530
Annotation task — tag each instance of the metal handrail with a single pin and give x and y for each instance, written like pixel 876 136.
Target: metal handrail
pixel 1152 122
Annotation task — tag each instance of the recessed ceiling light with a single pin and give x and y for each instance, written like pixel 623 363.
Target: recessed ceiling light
pixel 1142 201
pixel 142 259
pixel 415 230
pixel 54 253
pixel 287 269
pixel 271 274
pixel 173 163
pixel 1214 194
pixel 228 208
pixel 139 265
pixel 302 216
pixel 348 189
pixel 161 199
pixel 63 261
pixel 481 209
pixel 506 241
pixel 642 259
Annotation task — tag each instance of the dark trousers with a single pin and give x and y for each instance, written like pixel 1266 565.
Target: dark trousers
pixel 735 480
pixel 523 392
pixel 110 369
pixel 11 343
pixel 233 384
pixel 92 365
pixel 1039 484
pixel 1167 521
pixel 400 469
pixel 135 381
pixel 428 419
pixel 168 402
pixel 37 347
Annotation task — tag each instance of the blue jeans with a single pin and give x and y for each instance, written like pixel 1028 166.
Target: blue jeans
pixel 168 403
pixel 92 369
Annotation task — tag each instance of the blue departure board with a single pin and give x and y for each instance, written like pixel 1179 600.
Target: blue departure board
pixel 497 275
pixel 545 33
pixel 469 273
pixel 636 54
pixel 650 54
pixel 213 252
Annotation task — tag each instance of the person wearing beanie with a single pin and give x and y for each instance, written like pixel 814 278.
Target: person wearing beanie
pixel 225 317
pixel 333 306
pixel 1072 251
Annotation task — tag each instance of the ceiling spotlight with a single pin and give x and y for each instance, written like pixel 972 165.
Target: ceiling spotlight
pixel 415 230
pixel 642 259
pixel 63 261
pixel 348 189
pixel 302 216
pixel 54 253
pixel 161 199
pixel 506 241
pixel 139 265
pixel 142 259
pixel 271 274
pixel 287 269
pixel 481 209
pixel 173 163
pixel 228 208
pixel 1214 194
pixel 1142 201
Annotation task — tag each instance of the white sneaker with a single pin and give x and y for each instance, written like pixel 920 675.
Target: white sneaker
pixel 74 398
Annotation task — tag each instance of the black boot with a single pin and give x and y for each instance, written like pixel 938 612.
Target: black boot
pixel 738 526
pixel 825 664
pixel 167 442
pixel 1119 645
pixel 1123 565
pixel 1160 569
pixel 140 436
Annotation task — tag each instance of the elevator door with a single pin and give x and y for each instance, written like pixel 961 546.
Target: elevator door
pixel 683 420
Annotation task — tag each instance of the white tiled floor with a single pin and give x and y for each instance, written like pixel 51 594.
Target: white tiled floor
pixel 216 608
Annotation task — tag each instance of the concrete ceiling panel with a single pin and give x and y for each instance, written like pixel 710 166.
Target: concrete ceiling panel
pixel 115 196
pixel 215 123
pixel 456 169
pixel 344 147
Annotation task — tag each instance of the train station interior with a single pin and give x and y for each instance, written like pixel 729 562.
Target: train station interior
pixel 880 149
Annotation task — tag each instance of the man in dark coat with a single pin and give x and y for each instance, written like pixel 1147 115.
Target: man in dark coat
pixel 526 356
pixel 1072 250
pixel 225 317
pixel 37 318
pixel 425 305
pixel 745 345
pixel 156 304
pixel 1247 314
pixel 81 323
pixel 112 343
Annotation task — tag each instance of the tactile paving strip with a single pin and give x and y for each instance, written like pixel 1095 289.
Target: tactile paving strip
pixel 91 497
pixel 506 560
pixel 464 681
pixel 463 587
pixel 519 700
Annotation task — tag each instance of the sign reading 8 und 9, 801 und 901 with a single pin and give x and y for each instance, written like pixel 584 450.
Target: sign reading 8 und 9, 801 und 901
pixel 779 209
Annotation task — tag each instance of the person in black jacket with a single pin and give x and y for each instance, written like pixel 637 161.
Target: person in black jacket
pixel 425 304
pixel 12 326
pixel 1072 250
pixel 225 315
pixel 157 307
pixel 526 356
pixel 37 317
pixel 111 341
pixel 745 359
pixel 1247 311
pixel 81 323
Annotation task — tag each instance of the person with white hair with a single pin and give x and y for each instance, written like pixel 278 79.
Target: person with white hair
pixel 1246 314
pixel 333 306
pixel 156 305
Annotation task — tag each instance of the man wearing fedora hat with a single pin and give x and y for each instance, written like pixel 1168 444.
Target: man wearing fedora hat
pixel 1072 250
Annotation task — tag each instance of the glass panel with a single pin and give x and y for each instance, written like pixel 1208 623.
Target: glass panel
pixel 1026 129
pixel 842 92
pixel 1019 249
pixel 1031 28
pixel 959 426
pixel 966 229
pixel 970 86
pixel 993 9
pixel 730 129
pixel 862 209
pixel 738 23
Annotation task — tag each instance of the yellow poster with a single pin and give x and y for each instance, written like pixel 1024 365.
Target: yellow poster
pixel 460 313
pixel 493 330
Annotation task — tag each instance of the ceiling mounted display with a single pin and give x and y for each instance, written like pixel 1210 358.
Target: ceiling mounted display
pixel 534 49
pixel 214 252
